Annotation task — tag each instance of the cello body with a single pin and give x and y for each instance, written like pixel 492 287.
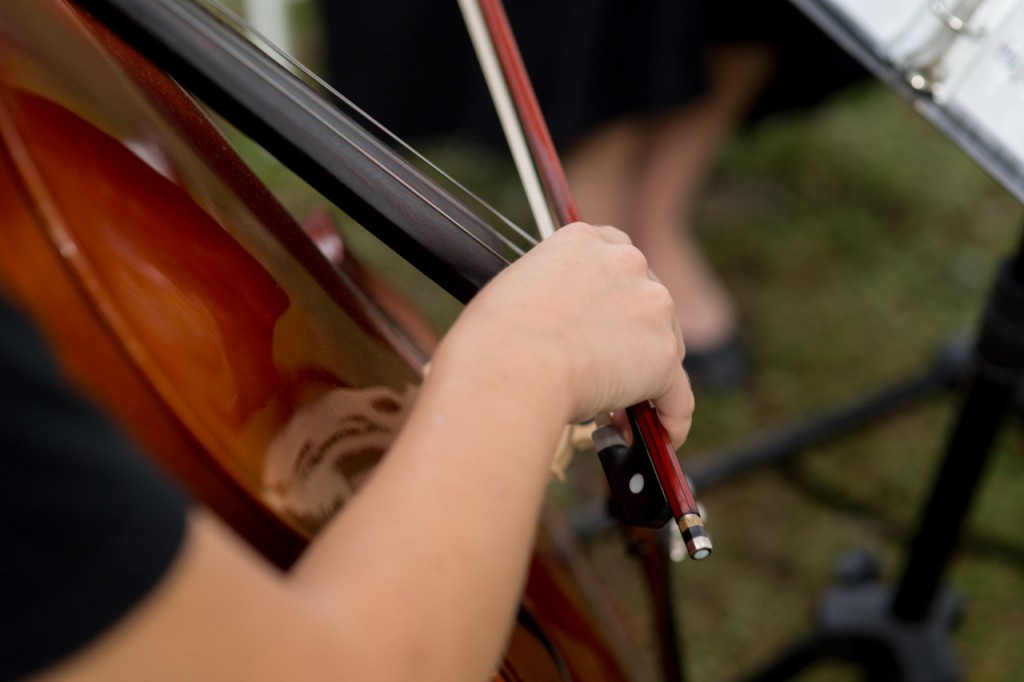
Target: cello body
pixel 184 300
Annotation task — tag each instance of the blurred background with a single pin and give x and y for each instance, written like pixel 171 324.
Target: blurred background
pixel 858 241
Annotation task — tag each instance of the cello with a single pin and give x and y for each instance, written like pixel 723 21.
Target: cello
pixel 178 294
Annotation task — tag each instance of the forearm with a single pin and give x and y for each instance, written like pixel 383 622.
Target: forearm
pixel 433 551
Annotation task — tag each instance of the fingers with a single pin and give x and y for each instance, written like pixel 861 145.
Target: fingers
pixel 675 407
pixel 631 346
pixel 608 233
pixel 680 341
pixel 676 403
pixel 612 235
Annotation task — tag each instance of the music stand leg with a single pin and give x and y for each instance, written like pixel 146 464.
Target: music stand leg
pixel 855 625
pixel 650 548
pixel 902 633
pixel 999 366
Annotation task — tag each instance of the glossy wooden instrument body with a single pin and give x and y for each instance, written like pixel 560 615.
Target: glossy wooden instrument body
pixel 178 294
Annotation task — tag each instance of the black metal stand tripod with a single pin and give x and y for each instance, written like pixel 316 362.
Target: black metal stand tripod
pixel 895 633
pixel 900 633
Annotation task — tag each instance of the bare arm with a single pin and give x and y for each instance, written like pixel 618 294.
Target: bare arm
pixel 421 574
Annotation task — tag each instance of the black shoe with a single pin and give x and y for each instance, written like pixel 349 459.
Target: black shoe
pixel 721 368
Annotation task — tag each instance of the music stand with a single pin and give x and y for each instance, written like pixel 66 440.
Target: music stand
pixel 901 632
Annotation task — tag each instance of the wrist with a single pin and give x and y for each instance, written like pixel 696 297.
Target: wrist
pixel 525 372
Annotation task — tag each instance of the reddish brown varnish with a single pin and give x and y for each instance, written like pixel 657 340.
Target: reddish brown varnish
pixel 182 298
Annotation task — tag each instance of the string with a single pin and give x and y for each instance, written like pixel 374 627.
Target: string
pixel 509 118
pixel 238 24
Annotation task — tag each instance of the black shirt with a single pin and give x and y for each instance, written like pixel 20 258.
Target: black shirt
pixel 87 527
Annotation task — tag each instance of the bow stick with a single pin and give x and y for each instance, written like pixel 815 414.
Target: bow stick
pixel 524 128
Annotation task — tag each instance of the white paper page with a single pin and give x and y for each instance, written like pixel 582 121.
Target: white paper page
pixel 881 20
pixel 989 91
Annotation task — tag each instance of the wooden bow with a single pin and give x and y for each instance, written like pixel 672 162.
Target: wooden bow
pixel 525 126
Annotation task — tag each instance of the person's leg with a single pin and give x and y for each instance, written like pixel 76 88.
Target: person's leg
pixel 681 152
pixel 602 170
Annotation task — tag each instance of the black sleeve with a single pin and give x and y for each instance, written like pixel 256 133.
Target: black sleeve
pixel 87 527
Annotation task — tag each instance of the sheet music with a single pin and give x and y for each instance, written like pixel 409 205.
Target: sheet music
pixel 988 85
pixel 882 20
pixel 961 61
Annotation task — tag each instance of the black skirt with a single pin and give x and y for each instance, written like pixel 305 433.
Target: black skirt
pixel 411 66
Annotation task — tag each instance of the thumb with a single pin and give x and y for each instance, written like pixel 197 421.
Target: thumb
pixel 675 407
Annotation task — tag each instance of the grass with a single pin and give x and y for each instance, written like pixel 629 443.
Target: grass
pixel 857 240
